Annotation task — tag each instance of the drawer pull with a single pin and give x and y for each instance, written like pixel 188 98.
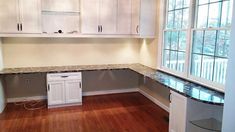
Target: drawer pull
pixel 64 76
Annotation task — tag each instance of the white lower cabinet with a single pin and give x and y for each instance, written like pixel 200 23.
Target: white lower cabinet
pixel 64 89
pixel 178 112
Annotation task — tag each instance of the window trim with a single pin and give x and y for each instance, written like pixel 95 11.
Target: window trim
pixel 188 53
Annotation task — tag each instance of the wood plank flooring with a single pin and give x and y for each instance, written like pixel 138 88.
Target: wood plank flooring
pixel 130 112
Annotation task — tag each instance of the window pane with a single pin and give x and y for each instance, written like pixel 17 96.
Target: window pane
pixel 196 65
pixel 185 18
pixel 207 67
pixel 182 41
pixel 174 40
pixel 226 14
pixel 203 2
pixel 166 58
pixel 181 61
pixel 186 3
pixel 171 5
pixel 214 15
pixel 223 42
pixel 202 16
pixel 170 20
pixel 179 4
pixel 197 41
pixel 220 70
pixel 173 58
pixel 209 43
pixel 178 19
pixel 167 40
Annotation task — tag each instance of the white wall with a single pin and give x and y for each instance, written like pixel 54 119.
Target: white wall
pixel 229 104
pixel 2 93
pixel 149 47
pixel 35 52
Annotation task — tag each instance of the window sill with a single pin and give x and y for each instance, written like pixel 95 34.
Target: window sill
pixel 194 80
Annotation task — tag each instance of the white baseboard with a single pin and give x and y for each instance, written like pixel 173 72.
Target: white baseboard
pixel 104 92
pixel 154 100
pixel 21 99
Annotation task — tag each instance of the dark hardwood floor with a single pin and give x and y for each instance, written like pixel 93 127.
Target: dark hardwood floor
pixel 130 112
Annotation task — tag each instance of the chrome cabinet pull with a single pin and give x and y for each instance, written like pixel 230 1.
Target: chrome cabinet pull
pixel 48 87
pixel 101 28
pixel 18 26
pixel 137 29
pixel 21 27
pixel 80 84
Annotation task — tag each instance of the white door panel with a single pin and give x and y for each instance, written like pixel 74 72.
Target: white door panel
pixel 30 16
pixel 90 16
pixel 9 12
pixel 56 92
pixel 108 16
pixel 124 17
pixel 73 91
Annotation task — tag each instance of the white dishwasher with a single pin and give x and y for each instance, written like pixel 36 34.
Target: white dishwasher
pixel 64 89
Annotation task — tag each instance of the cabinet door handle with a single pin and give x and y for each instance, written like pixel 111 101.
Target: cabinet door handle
pixel 48 88
pixel 18 26
pixel 101 28
pixel 21 27
pixel 64 76
pixel 169 97
pixel 98 28
pixel 137 29
pixel 80 84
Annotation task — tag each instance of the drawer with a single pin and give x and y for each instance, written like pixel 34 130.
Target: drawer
pixel 64 76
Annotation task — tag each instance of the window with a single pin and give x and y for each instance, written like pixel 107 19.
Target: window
pixel 175 35
pixel 207 35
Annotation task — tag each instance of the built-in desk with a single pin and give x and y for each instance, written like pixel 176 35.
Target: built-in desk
pixel 183 87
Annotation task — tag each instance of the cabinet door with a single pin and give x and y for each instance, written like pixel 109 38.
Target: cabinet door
pixel 135 16
pixel 30 16
pixel 108 16
pixel 89 16
pixel 9 16
pixel 178 112
pixel 148 18
pixel 73 91
pixel 61 5
pixel 124 17
pixel 56 93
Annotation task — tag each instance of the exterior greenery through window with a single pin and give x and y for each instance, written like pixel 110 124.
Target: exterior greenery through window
pixel 207 35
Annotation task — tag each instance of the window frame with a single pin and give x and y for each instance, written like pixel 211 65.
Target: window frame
pixel 192 18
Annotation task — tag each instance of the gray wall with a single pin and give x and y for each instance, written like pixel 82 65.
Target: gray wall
pixel 156 90
pixel 28 85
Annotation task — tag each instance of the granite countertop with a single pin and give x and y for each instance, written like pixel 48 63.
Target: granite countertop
pixel 183 87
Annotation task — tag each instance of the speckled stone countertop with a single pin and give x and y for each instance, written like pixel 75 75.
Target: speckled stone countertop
pixel 183 87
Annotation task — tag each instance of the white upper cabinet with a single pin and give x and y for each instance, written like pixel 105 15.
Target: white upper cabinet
pixel 9 16
pixel 60 5
pixel 30 16
pixel 144 18
pixel 90 16
pixel 124 17
pixel 135 16
pixel 20 16
pixel 108 16
pixel 99 16
pixel 148 18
